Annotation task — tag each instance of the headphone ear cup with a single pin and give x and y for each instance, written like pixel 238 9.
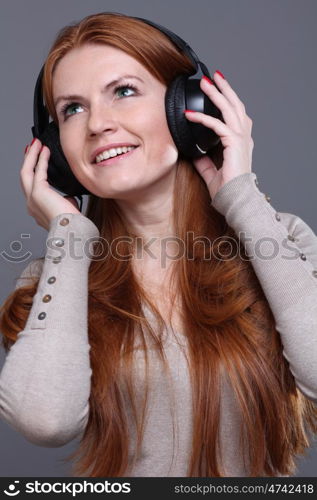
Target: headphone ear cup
pixel 59 173
pixel 179 126
pixel 191 139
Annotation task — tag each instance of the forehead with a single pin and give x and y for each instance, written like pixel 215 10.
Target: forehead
pixel 88 61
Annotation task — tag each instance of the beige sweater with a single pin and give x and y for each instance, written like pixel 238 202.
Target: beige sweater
pixel 45 380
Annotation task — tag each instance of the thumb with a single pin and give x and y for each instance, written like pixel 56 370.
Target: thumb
pixel 206 168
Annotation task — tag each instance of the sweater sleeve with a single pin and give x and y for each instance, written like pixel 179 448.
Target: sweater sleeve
pixel 45 379
pixel 283 252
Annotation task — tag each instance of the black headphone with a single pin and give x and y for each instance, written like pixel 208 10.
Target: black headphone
pixel 191 139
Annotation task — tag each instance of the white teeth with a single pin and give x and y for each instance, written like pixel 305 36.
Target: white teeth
pixel 110 153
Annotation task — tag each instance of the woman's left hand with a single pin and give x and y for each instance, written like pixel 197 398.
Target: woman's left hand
pixel 234 133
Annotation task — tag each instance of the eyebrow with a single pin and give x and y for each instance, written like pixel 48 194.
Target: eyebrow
pixel 107 87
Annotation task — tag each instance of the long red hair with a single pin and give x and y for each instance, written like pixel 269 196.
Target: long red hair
pixel 229 325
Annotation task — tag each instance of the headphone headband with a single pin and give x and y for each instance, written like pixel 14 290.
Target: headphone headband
pixel 201 69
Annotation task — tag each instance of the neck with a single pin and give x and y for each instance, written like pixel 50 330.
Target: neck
pixel 149 216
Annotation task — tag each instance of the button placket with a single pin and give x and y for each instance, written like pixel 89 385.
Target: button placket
pixel 302 255
pixel 289 236
pixel 48 297
pixel 265 196
pixel 292 238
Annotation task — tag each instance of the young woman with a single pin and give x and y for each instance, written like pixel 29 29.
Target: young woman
pixel 165 356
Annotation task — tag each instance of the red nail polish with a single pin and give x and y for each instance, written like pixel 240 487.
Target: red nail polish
pixel 189 111
pixel 219 73
pixel 208 79
pixel 26 147
pixel 33 141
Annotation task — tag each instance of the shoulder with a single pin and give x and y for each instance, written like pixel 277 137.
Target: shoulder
pixel 32 271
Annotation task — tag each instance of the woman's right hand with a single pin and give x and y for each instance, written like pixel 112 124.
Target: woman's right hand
pixel 43 202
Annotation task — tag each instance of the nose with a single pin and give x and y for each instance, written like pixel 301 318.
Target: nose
pixel 101 119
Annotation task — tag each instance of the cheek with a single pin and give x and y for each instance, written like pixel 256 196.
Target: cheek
pixel 158 135
pixel 169 155
pixel 64 140
pixel 68 144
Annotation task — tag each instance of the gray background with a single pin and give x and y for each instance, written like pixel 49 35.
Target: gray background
pixel 267 51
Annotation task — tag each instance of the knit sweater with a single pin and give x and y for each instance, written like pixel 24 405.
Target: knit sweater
pixel 46 377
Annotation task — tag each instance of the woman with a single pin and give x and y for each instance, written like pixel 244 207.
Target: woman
pixel 200 362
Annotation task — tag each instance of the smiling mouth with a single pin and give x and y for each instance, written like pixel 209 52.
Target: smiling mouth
pixel 113 159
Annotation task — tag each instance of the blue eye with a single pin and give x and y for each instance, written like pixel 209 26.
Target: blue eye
pixel 67 106
pixel 128 86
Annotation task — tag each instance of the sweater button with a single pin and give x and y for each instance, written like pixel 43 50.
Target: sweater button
pixel 56 260
pixel 268 198
pixel 277 217
pixel 291 238
pixel 315 274
pixel 303 256
pixel 51 280
pixel 46 298
pixel 42 315
pixel 64 221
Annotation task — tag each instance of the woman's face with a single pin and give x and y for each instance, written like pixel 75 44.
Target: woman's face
pixel 105 114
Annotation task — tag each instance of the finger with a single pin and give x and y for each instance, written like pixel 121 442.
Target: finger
pixel 230 113
pixel 228 91
pixel 206 168
pixel 32 154
pixel 214 124
pixel 22 179
pixel 40 170
pixel 30 160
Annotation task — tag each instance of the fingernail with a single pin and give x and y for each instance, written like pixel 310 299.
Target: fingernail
pixel 208 79
pixel 26 147
pixel 189 111
pixel 219 73
pixel 33 141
